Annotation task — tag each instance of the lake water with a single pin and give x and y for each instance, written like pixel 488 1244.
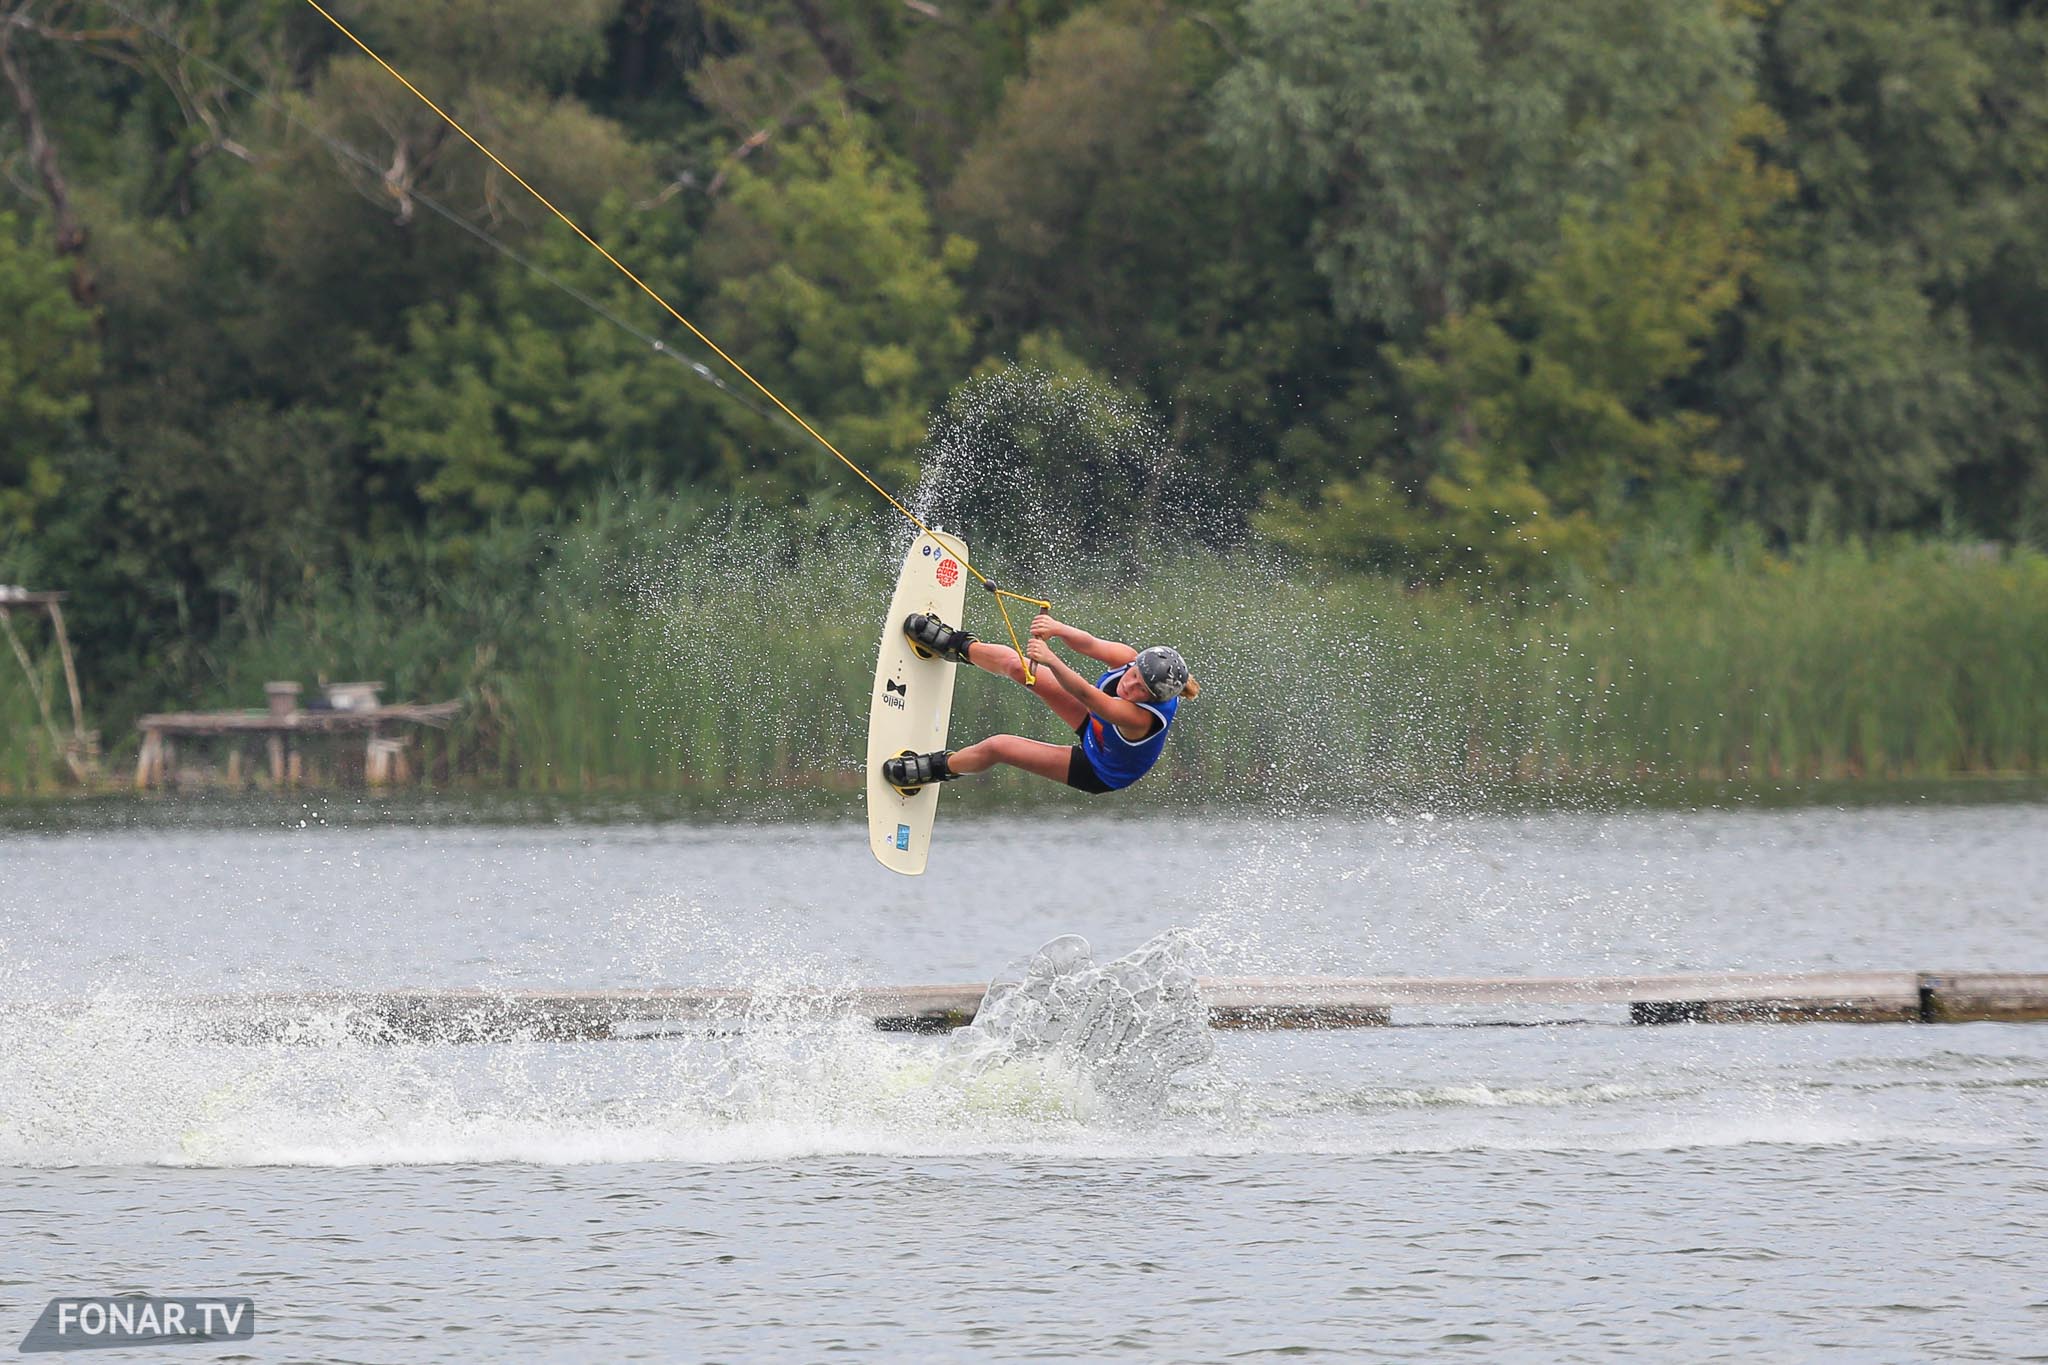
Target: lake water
pixel 804 1185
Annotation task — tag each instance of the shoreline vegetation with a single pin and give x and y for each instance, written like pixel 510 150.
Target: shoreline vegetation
pixel 663 654
pixel 1589 396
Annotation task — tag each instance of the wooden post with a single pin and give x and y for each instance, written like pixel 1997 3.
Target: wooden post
pixel 276 745
pixel 70 670
pixel 384 762
pixel 146 761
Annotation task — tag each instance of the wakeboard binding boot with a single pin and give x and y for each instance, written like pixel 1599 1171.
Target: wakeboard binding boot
pixel 908 771
pixel 932 638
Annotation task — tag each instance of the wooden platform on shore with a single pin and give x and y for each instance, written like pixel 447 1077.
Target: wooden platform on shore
pixel 200 723
pixel 1305 1002
pixel 281 730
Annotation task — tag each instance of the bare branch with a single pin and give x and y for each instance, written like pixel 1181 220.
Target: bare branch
pixel 398 181
pixel 1215 29
pixel 80 35
pixel 753 143
pixel 686 181
pixel 756 140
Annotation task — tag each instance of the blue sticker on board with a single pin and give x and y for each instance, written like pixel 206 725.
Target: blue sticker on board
pixel 903 836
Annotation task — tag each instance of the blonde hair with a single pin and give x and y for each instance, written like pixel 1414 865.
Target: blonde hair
pixel 1192 690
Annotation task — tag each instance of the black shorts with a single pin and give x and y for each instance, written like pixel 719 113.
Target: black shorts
pixel 1081 774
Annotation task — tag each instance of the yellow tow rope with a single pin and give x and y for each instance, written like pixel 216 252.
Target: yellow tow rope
pixel 766 392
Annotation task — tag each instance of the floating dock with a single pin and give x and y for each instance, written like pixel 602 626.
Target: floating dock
pixel 1300 1002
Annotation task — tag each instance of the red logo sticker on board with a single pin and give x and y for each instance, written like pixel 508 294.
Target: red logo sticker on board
pixel 948 571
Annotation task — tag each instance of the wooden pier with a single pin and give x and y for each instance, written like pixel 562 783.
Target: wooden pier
pixel 1308 1002
pixel 350 709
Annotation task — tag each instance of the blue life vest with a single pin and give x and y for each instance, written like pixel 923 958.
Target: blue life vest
pixel 1119 761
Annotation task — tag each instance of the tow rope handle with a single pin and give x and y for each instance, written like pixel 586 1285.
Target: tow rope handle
pixel 999 593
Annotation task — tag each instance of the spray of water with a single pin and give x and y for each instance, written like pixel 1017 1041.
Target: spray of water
pixel 1053 476
pixel 125 1084
pixel 1063 1048
pixel 1125 1027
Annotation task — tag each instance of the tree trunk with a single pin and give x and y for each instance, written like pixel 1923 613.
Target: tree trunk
pixel 836 51
pixel 43 153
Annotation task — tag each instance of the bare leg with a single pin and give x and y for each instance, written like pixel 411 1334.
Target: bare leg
pixel 1002 661
pixel 1033 756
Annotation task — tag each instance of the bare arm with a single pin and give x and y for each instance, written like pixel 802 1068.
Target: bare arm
pixel 1125 715
pixel 1111 652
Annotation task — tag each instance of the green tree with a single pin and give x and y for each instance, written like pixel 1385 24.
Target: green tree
pixel 1853 397
pixel 519 399
pixel 829 282
pixel 1102 217
pixel 504 70
pixel 1065 190
pixel 925 75
pixel 1440 142
pixel 1893 352
pixel 48 362
pixel 1554 419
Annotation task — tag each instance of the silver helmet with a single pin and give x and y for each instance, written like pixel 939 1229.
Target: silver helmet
pixel 1164 671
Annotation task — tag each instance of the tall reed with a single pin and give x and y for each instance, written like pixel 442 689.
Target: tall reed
pixel 26 763
pixel 31 758
pixel 664 649
pixel 1914 662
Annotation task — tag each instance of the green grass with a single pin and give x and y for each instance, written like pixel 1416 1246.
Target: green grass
pixel 23 763
pixel 29 762
pixel 660 653
pixel 1919 662
pixel 1911 663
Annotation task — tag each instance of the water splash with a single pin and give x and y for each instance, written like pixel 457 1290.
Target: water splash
pixel 1125 1027
pixel 1047 470
pixel 1064 1049
pixel 1071 1058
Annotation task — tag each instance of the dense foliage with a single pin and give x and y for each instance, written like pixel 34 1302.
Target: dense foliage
pixel 1481 292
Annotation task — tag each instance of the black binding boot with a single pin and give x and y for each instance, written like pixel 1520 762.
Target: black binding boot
pixel 911 771
pixel 930 636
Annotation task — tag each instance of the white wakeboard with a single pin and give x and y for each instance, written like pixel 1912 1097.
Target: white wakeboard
pixel 912 701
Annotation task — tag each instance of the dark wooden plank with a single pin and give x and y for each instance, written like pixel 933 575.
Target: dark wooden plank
pixel 1969 997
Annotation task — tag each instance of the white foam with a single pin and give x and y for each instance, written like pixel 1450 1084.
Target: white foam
pixel 125 1084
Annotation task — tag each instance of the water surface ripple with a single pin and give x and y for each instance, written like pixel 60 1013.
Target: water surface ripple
pixel 802 1186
